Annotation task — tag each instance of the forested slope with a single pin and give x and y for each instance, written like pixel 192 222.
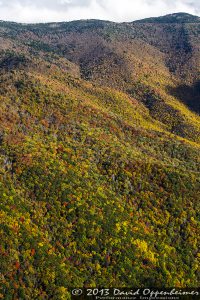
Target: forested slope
pixel 99 156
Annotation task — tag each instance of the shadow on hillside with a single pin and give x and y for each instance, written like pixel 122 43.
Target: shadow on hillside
pixel 13 61
pixel 189 95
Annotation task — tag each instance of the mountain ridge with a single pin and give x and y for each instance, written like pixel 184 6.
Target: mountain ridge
pixel 180 17
pixel 174 17
pixel 99 157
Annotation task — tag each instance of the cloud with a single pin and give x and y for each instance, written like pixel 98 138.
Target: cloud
pixel 114 10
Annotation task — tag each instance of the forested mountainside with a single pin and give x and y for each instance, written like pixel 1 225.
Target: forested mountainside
pixel 99 155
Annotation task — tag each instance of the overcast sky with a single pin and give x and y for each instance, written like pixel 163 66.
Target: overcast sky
pixel 114 10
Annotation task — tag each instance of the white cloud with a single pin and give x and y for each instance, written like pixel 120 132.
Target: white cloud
pixel 114 10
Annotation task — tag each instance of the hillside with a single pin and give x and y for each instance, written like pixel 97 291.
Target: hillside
pixel 99 155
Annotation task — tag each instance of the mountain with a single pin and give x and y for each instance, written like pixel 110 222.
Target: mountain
pixel 173 18
pixel 99 155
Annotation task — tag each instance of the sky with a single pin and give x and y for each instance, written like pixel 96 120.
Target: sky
pixel 34 11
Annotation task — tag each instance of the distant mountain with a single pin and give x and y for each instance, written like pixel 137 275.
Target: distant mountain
pixel 173 18
pixel 99 155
